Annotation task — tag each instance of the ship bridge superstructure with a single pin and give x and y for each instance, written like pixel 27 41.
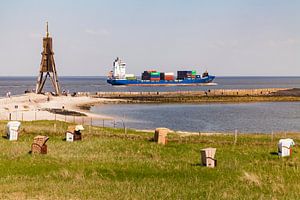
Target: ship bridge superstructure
pixel 119 69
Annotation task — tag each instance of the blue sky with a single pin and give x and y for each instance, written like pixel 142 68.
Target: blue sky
pixel 228 37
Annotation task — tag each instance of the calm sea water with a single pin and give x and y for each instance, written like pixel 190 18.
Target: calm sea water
pixel 254 117
pixel 17 85
pixel 245 117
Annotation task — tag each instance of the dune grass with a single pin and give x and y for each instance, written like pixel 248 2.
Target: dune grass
pixel 109 164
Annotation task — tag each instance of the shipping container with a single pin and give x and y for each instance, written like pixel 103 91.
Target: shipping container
pixel 162 76
pixel 149 71
pixel 169 73
pixel 169 77
pixel 172 76
pixel 145 75
pixel 154 79
pixel 129 75
pixel 184 74
pixel 155 73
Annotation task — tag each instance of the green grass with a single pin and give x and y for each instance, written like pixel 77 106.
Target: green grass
pixel 108 164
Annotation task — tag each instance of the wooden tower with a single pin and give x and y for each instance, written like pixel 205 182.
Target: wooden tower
pixel 47 66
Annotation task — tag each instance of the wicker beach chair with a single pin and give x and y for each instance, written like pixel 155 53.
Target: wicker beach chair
pixel 160 135
pixel 39 144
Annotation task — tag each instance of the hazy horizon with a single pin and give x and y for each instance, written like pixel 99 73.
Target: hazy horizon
pixel 227 38
pixel 138 75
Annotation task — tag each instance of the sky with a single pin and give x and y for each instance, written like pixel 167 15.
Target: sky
pixel 225 37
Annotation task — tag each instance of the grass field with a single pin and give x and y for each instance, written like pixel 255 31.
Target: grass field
pixel 109 164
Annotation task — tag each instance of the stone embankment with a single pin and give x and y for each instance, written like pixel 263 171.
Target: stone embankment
pixel 208 96
pixel 218 92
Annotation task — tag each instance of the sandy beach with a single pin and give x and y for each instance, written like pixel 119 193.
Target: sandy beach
pixel 32 106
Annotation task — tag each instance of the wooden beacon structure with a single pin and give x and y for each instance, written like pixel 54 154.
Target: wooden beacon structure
pixel 47 66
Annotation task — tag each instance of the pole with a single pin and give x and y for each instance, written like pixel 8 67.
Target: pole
pixel 235 136
pixel 16 107
pixel 55 122
pixel 90 126
pixel 272 136
pixel 89 129
pixel 124 125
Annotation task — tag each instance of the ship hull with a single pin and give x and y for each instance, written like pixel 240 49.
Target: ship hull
pixel 185 82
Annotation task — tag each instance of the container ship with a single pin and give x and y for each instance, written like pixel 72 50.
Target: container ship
pixel 119 77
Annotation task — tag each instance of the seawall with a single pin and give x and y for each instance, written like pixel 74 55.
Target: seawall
pixel 211 93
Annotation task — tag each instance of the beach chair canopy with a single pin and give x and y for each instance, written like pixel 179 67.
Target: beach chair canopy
pixel 288 142
pixel 79 128
pixel 72 129
pixel 40 140
pixel 13 125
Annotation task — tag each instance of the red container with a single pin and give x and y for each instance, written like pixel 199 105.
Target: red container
pixel 169 78
pixel 154 79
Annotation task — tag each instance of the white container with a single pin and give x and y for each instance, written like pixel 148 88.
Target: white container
pixel 12 130
pixel 129 75
pixel 284 147
pixel 169 74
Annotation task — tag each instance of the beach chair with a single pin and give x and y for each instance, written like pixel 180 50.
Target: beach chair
pixel 208 157
pixel 285 147
pixel 12 130
pixel 73 133
pixel 39 144
pixel 160 135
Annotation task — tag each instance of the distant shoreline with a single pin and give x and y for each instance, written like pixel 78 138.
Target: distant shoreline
pixel 209 96
pixel 36 107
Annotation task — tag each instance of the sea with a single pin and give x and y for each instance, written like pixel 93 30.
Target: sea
pixel 244 117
